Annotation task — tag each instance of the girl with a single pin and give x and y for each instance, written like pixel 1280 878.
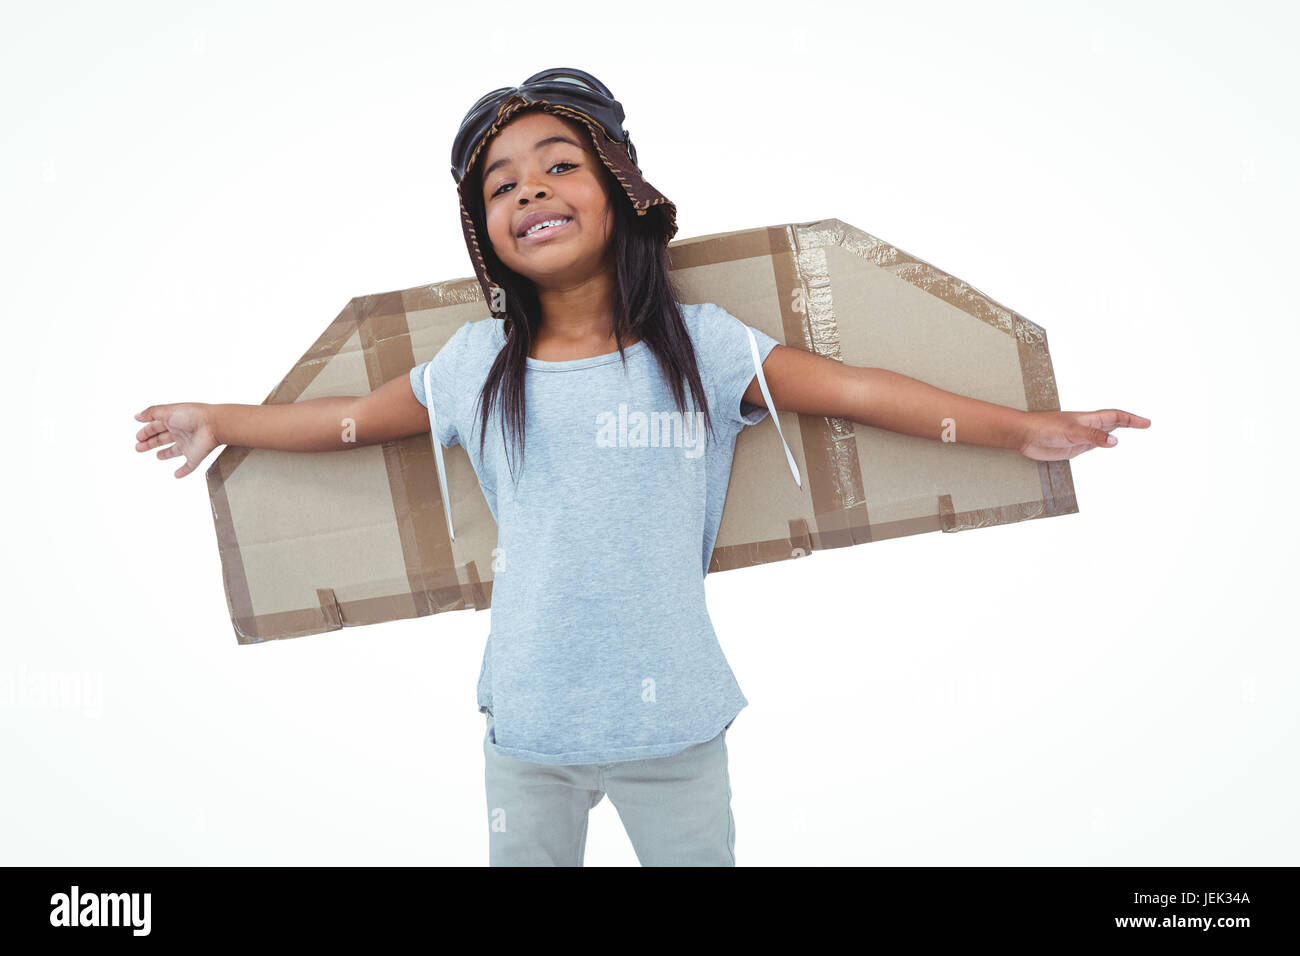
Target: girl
pixel 602 673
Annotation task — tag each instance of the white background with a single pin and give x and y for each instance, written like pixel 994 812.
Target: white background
pixel 190 197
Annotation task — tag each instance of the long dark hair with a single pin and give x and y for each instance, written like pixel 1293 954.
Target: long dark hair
pixel 647 307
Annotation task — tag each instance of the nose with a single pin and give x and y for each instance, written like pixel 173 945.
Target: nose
pixel 531 184
pixel 539 192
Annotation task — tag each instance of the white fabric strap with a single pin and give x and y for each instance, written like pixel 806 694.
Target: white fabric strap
pixel 767 397
pixel 437 448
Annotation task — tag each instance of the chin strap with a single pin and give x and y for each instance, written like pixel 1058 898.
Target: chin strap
pixel 767 397
pixel 437 448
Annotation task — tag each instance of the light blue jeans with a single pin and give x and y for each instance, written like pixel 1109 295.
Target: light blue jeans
pixel 676 809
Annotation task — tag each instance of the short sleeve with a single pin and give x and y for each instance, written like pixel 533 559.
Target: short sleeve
pixel 443 368
pixel 726 343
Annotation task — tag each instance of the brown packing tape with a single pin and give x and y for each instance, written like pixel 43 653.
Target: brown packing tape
pixel 800 539
pixel 1035 366
pixel 314 360
pixel 830 444
pixel 830 455
pixel 381 322
pixel 301 623
pixel 412 481
pixel 949 521
pixel 798 544
pixel 853 532
pixel 417 496
pixel 478 593
pixel 238 598
pixel 1031 339
pixel 412 478
pixel 1058 488
pixel 330 606
pixel 830 449
pixel 248 628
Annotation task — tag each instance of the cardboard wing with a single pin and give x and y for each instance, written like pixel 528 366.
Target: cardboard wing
pixel 317 542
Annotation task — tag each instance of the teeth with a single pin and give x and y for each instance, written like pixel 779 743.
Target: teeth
pixel 543 225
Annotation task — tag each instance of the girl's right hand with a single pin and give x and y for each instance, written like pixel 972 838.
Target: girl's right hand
pixel 188 424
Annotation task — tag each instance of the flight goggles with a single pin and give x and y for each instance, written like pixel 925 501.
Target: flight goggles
pixel 575 89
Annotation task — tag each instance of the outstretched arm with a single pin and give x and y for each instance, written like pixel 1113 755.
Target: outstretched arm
pixel 331 423
pixel 810 384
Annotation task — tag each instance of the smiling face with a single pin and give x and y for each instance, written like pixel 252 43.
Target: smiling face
pixel 540 162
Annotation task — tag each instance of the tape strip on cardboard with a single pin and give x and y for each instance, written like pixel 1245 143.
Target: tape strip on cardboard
pixel 831 460
pixel 830 455
pixel 1055 479
pixel 839 498
pixel 381 323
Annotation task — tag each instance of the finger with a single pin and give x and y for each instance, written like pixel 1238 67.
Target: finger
pixel 169 452
pixel 163 439
pixel 1094 436
pixel 152 413
pixel 1117 416
pixel 1135 421
pixel 151 429
pixel 157 431
pixel 184 470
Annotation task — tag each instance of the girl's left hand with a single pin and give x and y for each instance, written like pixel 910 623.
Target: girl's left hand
pixel 1054 436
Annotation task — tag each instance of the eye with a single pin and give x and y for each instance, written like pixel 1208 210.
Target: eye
pixel 504 185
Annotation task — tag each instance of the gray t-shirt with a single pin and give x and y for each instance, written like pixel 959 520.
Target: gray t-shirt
pixel 601 648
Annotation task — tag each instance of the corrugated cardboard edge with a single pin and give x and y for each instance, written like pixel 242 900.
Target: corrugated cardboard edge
pixel 384 330
pixel 831 459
